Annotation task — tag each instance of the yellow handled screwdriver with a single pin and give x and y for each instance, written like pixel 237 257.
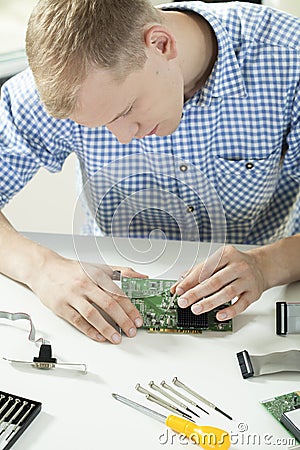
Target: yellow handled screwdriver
pixel 207 437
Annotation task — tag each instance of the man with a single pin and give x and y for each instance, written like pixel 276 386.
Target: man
pixel 189 114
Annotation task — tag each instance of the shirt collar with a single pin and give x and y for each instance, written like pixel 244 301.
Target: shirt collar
pixel 226 79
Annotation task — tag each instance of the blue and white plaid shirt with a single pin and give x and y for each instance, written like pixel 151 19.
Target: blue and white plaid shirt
pixel 235 155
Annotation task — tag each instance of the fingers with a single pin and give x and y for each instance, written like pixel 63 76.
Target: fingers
pixel 106 294
pixel 87 318
pixel 181 278
pixel 220 282
pixel 112 300
pixel 129 272
pixel 80 292
pixel 77 320
pixel 238 307
pixel 201 272
pixel 214 263
pixel 95 303
pixel 103 279
pixel 231 293
pixel 226 276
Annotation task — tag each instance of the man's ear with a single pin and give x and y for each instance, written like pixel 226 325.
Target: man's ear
pixel 160 39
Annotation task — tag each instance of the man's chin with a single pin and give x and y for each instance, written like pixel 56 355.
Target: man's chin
pixel 167 129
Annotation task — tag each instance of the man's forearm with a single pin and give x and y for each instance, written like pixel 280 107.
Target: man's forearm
pixel 20 258
pixel 67 288
pixel 280 261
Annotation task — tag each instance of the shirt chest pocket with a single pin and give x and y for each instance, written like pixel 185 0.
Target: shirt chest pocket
pixel 246 186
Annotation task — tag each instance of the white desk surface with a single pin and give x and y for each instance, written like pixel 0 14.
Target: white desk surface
pixel 78 411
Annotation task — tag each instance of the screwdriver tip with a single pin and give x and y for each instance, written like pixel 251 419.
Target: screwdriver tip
pixel 224 413
pixel 202 409
pixel 193 412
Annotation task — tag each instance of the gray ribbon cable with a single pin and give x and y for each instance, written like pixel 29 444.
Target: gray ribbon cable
pixel 44 360
pixel 20 315
pixel 256 365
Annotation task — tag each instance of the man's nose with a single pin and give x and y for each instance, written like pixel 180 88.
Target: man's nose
pixel 123 132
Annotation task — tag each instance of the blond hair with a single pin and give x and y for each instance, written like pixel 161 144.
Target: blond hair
pixel 65 38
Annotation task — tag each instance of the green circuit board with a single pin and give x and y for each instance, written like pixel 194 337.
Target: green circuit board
pixel 286 410
pixel 281 404
pixel 153 299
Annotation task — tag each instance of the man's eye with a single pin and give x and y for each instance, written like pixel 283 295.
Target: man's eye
pixel 127 112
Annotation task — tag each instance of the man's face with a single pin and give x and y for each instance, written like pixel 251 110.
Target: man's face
pixel 148 101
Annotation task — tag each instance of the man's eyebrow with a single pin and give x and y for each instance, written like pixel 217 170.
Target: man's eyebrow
pixel 120 114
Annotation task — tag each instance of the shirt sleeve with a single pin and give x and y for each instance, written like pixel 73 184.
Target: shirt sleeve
pixel 29 137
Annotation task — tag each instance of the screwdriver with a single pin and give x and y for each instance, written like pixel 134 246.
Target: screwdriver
pixel 207 437
pixel 204 400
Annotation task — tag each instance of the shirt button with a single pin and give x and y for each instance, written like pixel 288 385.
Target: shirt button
pixel 249 165
pixel 183 167
pixel 190 209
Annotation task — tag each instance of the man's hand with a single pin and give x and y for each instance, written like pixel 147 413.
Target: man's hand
pixel 226 275
pixel 75 291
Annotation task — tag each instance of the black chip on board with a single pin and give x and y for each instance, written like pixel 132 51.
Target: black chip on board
pixel 187 319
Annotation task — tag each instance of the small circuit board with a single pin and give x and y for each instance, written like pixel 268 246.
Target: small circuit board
pixel 286 409
pixel 161 313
